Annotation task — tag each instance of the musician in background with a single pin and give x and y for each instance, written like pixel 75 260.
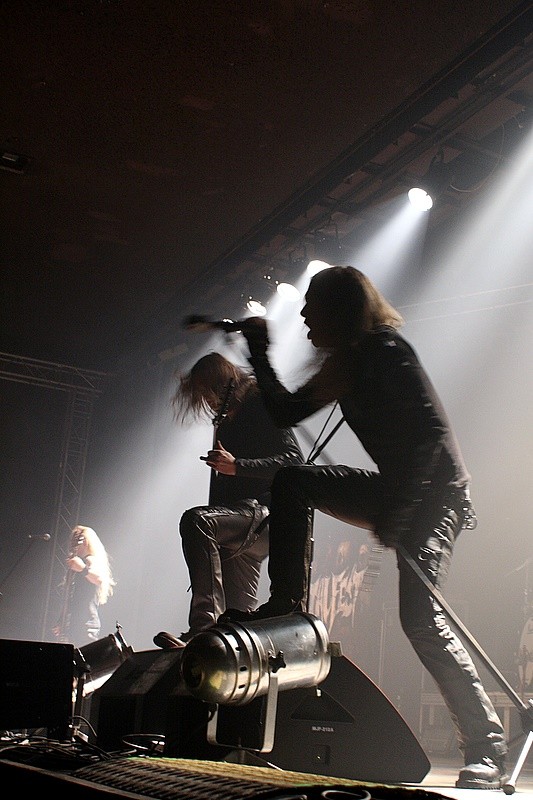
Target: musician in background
pixel 225 542
pixel 88 584
pixel 340 587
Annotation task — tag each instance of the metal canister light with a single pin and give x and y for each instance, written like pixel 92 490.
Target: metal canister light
pixel 233 662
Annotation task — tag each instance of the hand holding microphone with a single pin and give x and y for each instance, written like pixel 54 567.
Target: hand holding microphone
pixel 254 329
pixel 200 324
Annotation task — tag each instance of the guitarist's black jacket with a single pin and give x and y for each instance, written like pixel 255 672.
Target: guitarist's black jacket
pixel 260 449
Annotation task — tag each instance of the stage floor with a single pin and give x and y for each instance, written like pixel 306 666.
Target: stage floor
pixel 443 774
pixel 156 777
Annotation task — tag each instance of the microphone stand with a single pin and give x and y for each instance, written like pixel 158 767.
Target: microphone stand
pixel 525 709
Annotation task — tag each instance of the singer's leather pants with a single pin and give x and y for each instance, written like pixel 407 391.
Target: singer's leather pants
pixel 224 548
pixel 355 496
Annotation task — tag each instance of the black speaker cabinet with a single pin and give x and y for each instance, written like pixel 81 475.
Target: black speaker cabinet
pixel 36 686
pixel 348 729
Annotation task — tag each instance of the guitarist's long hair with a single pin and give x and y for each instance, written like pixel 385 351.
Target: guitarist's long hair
pixel 202 391
pixel 100 562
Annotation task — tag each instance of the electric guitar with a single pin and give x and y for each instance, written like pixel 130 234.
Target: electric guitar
pixel 63 624
pixel 223 410
pixel 218 419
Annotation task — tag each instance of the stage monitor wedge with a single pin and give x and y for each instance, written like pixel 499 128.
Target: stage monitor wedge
pixel 345 728
pixel 134 699
pixel 348 729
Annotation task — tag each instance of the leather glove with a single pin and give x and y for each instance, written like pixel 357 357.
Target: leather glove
pixel 255 331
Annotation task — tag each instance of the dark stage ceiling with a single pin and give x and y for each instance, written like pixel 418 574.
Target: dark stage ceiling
pixel 159 155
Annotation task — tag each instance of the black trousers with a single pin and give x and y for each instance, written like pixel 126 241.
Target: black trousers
pixel 224 547
pixel 356 497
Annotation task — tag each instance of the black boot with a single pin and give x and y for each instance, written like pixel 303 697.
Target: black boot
pixel 272 608
pixel 487 773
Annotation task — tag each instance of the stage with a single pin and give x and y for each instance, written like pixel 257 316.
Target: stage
pixel 141 733
pixel 137 778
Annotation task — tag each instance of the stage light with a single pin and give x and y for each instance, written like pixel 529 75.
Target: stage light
pixel 240 668
pixel 420 199
pixel 94 664
pixel 315 266
pixel 232 663
pixel 423 195
pixel 271 281
pixel 255 307
pixel 288 292
pixel 101 658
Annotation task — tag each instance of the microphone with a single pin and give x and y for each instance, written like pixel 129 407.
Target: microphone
pixel 199 324
pixel 44 537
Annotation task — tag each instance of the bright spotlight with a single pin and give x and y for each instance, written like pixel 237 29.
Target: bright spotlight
pixel 420 199
pixel 288 292
pixel 316 266
pixel 256 308
pixel 436 180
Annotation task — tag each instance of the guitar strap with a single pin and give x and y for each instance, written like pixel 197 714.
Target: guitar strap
pixel 376 550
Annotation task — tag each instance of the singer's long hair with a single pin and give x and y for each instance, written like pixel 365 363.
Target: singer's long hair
pixel 201 391
pixel 353 307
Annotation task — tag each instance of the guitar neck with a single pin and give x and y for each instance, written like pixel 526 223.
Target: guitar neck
pixel 76 541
